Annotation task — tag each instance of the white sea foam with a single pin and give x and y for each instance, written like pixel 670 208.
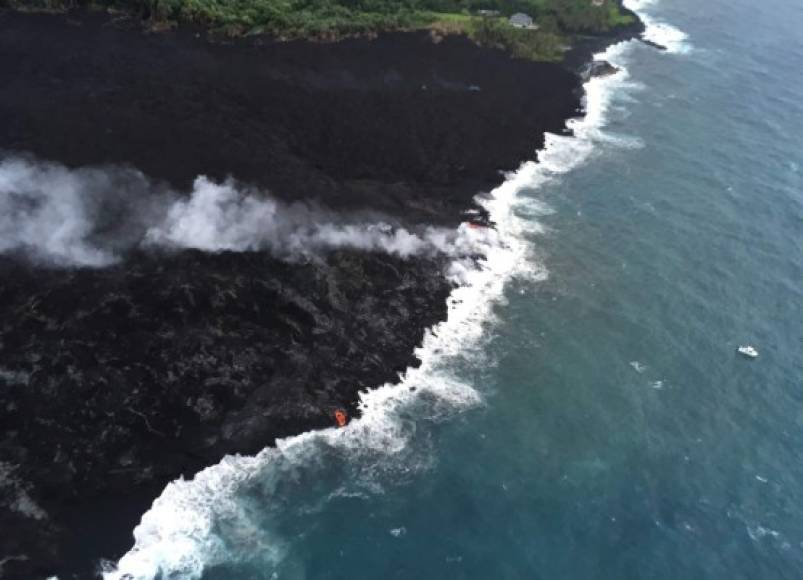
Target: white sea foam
pixel 638 367
pixel 674 40
pixel 758 532
pixel 200 523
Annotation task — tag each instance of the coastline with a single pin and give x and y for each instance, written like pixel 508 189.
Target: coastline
pixel 422 200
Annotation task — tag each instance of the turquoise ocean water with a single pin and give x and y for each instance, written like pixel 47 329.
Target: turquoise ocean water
pixel 584 413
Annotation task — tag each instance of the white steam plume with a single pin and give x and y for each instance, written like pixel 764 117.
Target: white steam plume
pixel 222 217
pixel 87 217
pixel 43 211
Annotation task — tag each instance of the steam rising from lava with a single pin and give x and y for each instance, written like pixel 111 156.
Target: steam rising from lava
pixel 91 217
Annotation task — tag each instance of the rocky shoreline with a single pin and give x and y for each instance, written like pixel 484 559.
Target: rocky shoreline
pixel 117 380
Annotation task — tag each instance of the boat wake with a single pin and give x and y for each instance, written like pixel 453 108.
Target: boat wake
pixel 236 511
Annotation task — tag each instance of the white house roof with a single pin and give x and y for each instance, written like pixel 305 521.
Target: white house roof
pixel 521 19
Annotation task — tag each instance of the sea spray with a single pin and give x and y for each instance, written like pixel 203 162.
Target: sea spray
pixel 213 519
pixel 674 40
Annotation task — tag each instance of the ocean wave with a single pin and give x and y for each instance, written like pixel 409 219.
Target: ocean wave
pixel 229 512
pixel 674 40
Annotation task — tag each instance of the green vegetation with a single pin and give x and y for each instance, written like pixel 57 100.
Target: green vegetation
pixel 544 43
pixel 556 20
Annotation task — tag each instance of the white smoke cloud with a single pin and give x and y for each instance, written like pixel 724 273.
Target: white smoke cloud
pixel 89 217
pixel 223 217
pixel 43 212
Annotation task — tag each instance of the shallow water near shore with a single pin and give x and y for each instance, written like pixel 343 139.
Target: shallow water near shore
pixel 594 422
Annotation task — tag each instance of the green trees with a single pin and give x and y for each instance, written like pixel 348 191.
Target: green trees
pixel 556 19
pixel 543 43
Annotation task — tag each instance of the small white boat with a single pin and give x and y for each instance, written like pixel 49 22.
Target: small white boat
pixel 748 351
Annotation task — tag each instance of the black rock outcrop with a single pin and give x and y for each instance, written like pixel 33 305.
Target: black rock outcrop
pixel 599 68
